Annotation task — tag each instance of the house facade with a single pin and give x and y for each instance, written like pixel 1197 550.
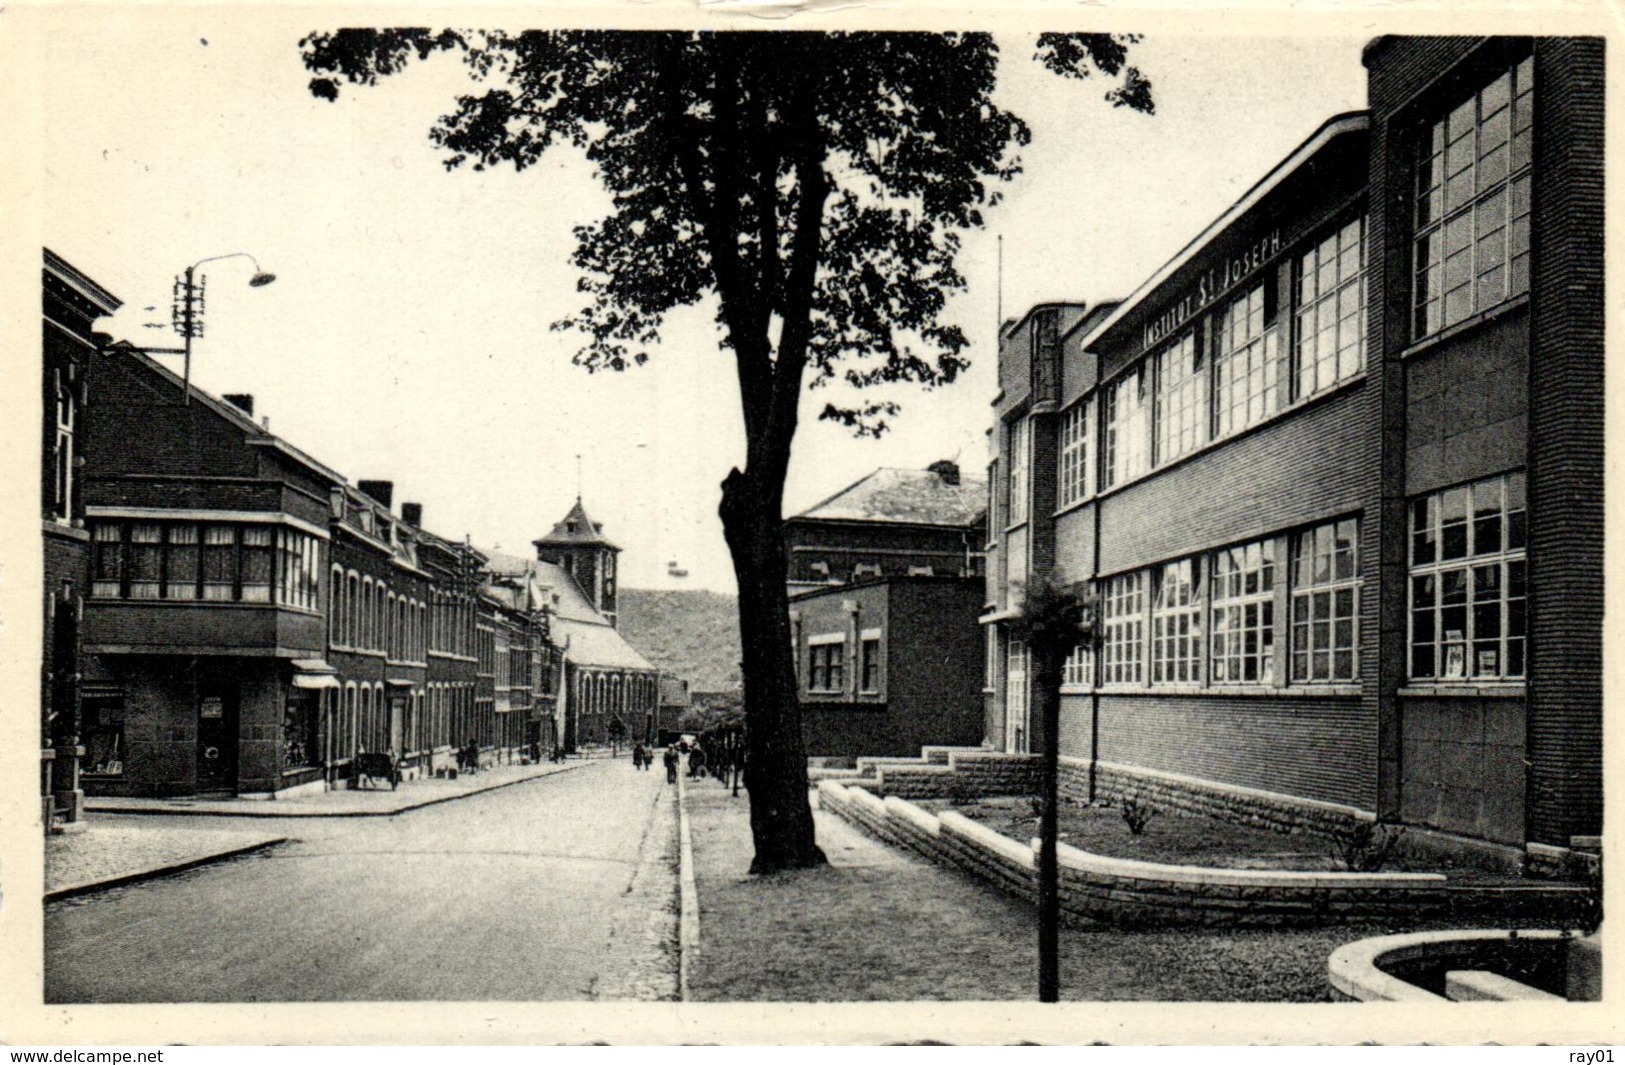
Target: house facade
pixel 1303 467
pixel 885 667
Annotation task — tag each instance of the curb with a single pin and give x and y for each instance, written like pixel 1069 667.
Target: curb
pixel 688 915
pixel 168 812
pixel 92 886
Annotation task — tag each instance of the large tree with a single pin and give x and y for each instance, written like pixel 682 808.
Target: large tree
pixel 817 184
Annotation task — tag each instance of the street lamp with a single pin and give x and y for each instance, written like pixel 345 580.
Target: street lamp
pixel 187 314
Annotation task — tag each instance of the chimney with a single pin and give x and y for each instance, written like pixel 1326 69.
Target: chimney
pixel 241 400
pixel 412 514
pixel 381 491
pixel 948 471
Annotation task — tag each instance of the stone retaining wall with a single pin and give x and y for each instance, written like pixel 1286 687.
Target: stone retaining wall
pixel 1131 893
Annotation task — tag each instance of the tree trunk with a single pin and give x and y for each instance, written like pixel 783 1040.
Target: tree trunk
pixel 781 822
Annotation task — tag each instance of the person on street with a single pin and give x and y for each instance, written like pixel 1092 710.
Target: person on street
pixel 637 755
pixel 696 762
pixel 671 765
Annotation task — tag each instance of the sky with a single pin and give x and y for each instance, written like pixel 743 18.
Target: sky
pixel 406 337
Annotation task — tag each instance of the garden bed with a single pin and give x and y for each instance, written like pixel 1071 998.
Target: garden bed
pixel 1177 838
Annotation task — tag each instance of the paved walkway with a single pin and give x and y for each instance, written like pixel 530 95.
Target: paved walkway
pixel 376 801
pixel 109 853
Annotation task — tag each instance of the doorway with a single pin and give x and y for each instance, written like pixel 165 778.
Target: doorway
pixel 217 737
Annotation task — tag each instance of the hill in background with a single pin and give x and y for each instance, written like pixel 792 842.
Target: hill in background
pixel 691 634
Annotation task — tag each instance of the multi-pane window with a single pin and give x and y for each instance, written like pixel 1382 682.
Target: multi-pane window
pixel 1472 203
pixel 1469 576
pixel 869 664
pixel 826 670
pixel 1181 414
pixel 1176 625
pixel 1126 419
pixel 299 569
pixel 1079 668
pixel 1020 457
pixel 1016 696
pixel 1074 454
pixel 1123 629
pixel 1325 603
pixel 1246 368
pixel 1331 309
pixel 1243 595
pixel 185 561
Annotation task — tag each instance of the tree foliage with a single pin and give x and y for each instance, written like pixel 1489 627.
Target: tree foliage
pixel 817 183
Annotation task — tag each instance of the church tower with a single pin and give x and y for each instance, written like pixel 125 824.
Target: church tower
pixel 578 546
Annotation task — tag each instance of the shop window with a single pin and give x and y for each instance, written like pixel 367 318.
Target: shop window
pixel 299 736
pixel 1074 454
pixel 1243 593
pixel 1122 645
pixel 1247 366
pixel 1472 203
pixel 1326 604
pixel 1181 404
pixel 1331 309
pixel 1469 576
pixel 1176 625
pixel 102 732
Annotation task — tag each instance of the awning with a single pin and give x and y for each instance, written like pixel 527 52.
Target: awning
pixel 314 673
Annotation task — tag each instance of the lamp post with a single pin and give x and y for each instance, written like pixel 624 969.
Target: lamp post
pixel 187 314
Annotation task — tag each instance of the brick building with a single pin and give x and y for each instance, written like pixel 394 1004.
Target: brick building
pixel 887 666
pixel 71 303
pixel 890 523
pixel 1334 471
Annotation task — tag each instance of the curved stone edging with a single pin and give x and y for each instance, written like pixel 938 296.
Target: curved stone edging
pixel 1354 972
pixel 1128 891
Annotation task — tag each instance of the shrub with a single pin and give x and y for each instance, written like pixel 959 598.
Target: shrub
pixel 1366 846
pixel 1137 814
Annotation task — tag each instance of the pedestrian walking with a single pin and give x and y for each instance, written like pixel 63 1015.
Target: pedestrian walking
pixel 671 765
pixel 637 756
pixel 696 762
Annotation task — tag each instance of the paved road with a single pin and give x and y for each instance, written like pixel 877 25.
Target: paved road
pixel 509 895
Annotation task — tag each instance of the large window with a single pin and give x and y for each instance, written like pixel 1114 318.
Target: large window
pixel 1325 603
pixel 1247 366
pixel 1469 575
pixel 869 663
pixel 1176 625
pixel 1243 593
pixel 210 561
pixel 1019 457
pixel 1123 629
pixel 1181 414
pixel 1472 203
pixel 1126 420
pixel 1074 454
pixel 1331 309
pixel 67 406
pixel 1079 669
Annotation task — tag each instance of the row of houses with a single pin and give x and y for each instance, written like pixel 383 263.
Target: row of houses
pixel 226 614
pixel 1334 473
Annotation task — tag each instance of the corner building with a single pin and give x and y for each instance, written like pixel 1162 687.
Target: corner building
pixel 1304 465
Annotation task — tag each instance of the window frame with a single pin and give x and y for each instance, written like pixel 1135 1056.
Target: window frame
pixel 1074 454
pixel 1306 366
pixel 1166 641
pixel 1224 606
pixel 1303 593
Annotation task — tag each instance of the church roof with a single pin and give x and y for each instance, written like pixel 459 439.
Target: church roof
pixel 576 530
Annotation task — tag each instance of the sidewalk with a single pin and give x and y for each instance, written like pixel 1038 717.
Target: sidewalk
pixel 879 924
pixel 378 801
pixel 107 855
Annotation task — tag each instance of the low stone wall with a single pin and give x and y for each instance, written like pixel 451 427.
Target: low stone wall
pixel 1127 892
pixel 1246 806
pixel 953 773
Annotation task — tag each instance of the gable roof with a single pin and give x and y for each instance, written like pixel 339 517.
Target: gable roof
pixel 587 637
pixel 576 530
pixel 914 497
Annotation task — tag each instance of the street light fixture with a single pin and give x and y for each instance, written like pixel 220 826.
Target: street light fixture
pixel 188 307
